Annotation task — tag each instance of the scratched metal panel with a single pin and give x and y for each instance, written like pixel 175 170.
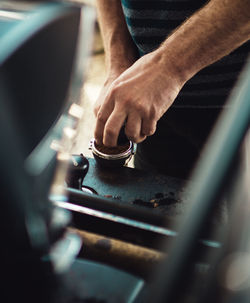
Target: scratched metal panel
pixel 159 192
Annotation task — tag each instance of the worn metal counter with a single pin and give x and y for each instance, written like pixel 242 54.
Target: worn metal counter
pixel 128 243
pixel 157 192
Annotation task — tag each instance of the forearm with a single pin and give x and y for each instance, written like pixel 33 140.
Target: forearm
pixel 120 51
pixel 211 33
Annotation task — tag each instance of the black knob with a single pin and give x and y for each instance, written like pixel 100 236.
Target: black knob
pixel 77 170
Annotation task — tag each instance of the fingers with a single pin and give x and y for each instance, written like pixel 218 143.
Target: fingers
pixel 100 100
pixel 114 110
pixel 148 127
pixel 113 127
pixel 102 116
pixel 110 121
pixel 133 127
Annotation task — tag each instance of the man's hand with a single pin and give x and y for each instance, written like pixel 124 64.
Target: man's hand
pixel 145 91
pixel 138 97
pixel 103 93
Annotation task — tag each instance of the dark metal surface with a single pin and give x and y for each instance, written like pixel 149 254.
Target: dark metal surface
pixel 132 194
pixel 131 205
pixel 156 192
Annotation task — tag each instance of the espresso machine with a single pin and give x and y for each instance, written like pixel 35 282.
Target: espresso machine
pixel 75 230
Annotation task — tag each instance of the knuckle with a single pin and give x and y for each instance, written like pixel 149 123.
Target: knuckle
pixel 113 90
pixel 101 117
pixel 115 87
pixel 151 131
pixel 118 83
pixel 140 108
pixel 116 93
pixel 149 128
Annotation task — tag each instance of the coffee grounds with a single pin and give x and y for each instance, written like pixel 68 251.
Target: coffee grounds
pixel 112 150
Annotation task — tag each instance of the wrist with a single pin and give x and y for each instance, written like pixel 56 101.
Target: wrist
pixel 117 63
pixel 171 66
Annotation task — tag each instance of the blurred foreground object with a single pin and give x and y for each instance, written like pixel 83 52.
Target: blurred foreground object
pixel 41 74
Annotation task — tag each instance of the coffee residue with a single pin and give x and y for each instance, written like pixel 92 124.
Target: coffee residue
pixel 112 150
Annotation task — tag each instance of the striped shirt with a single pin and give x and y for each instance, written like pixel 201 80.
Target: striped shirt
pixel 150 22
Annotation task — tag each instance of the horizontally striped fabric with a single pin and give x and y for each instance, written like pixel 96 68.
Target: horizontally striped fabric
pixel 150 22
